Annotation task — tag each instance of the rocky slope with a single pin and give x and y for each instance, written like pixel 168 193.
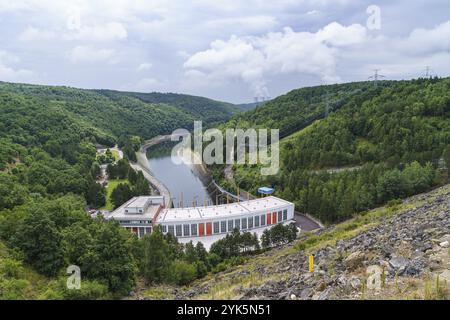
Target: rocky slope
pixel 395 252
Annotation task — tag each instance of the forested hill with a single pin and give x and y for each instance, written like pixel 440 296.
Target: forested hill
pixel 379 142
pixel 120 113
pixel 48 172
pixel 199 108
pixel 299 108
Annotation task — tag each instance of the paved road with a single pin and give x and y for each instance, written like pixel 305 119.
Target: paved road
pixel 306 223
pixel 142 165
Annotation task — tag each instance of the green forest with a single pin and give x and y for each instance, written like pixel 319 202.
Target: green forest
pixel 345 149
pixel 48 171
pixel 348 148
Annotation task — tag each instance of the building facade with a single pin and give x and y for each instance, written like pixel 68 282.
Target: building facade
pixel 137 214
pixel 203 221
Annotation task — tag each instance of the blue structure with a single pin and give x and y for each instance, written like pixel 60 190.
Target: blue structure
pixel 265 190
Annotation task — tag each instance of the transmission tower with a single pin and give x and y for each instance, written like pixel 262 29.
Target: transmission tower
pixel 428 72
pixel 376 76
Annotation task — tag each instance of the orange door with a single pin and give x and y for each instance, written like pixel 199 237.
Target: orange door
pixel 274 217
pixel 201 229
pixel 208 228
pixel 269 221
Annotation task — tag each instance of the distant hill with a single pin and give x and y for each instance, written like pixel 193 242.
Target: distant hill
pixel 198 107
pixel 123 113
pixel 250 106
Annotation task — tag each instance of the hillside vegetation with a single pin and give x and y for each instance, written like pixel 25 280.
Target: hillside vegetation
pixel 378 142
pixel 123 113
pixel 48 172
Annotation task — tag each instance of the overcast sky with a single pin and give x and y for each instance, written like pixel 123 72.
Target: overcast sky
pixel 231 51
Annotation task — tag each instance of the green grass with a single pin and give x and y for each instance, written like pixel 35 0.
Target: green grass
pixel 112 184
pixel 349 229
pixel 115 154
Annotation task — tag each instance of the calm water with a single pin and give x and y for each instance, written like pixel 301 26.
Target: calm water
pixel 178 179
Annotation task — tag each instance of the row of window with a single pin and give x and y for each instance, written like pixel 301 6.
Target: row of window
pixel 135 221
pixel 187 230
pixel 140 232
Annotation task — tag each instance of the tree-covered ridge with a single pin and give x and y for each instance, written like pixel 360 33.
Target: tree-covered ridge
pixel 197 107
pixel 385 141
pixel 125 113
pixel 299 108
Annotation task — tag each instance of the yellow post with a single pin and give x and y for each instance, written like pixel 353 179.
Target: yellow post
pixel 311 263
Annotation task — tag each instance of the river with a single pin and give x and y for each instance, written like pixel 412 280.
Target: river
pixel 183 180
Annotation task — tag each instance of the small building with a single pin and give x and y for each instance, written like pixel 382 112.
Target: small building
pixel 265 190
pixel 137 214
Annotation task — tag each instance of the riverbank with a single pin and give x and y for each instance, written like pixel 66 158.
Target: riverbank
pixel 142 165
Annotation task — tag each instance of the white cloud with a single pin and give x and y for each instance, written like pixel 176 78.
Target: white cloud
pixel 252 59
pixel 9 73
pixel 243 24
pixel 81 54
pixel 35 34
pixel 149 85
pixel 110 31
pixel 424 41
pixel 48 34
pixel 256 60
pixel 144 66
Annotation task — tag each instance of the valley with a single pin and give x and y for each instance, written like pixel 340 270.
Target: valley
pixel 357 168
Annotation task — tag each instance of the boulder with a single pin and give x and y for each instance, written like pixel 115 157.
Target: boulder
pixel 355 260
pixel 444 244
pixel 399 264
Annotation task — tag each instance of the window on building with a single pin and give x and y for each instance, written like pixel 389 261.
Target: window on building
pixel 284 214
pixel 140 211
pixel 280 216
pixel 263 220
pixel 171 230
pixel 186 230
pixel 194 229
pixel 216 227
pixel 164 229
pixel 230 225
pixel 244 223
pixel 250 222
pixel 148 230
pixel 141 232
pixel 223 226
pixel 178 230
pixel 257 221
pixel 237 224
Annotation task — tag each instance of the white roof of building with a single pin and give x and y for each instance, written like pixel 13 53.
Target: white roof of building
pixel 120 214
pixel 138 202
pixel 225 210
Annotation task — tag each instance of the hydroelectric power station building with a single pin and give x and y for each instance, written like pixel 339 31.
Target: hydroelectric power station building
pixel 141 214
